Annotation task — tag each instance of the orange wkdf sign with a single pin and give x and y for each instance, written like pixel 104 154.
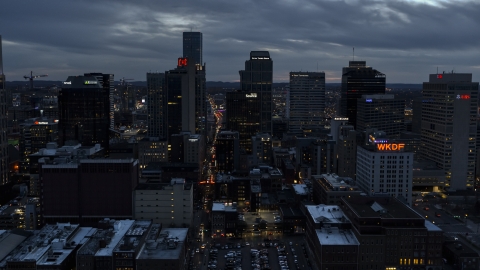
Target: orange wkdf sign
pixel 390 146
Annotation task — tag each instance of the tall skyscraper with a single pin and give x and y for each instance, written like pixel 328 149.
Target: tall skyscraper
pixel 257 79
pixel 307 101
pixel 106 80
pixel 358 79
pixel 193 47
pixel 3 124
pixel 383 112
pixel 185 93
pixel 243 115
pixel 449 126
pixel 156 106
pixel 84 111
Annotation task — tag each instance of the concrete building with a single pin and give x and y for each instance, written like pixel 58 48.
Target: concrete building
pixel 316 153
pixel 307 101
pixel 257 79
pixel 53 247
pixel 166 249
pixel 330 188
pixel 382 112
pixel 427 176
pixel 330 238
pixel 168 204
pixel 449 126
pixel 358 79
pixel 3 124
pixel 127 250
pixel 385 169
pixel 223 219
pixel 36 133
pixel 262 149
pixel 87 197
pixel 152 149
pixel 392 235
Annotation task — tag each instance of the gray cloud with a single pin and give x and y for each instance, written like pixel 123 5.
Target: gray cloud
pixel 406 40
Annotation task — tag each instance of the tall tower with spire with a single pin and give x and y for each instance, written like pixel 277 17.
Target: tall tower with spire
pixel 3 124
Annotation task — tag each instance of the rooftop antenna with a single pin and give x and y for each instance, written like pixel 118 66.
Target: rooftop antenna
pixel 353 53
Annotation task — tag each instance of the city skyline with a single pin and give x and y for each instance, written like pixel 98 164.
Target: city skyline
pixel 406 40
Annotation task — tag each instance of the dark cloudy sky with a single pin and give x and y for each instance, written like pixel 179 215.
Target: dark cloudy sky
pixel 405 39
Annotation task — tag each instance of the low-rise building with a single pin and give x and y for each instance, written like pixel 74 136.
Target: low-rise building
pixel 330 188
pixel 169 204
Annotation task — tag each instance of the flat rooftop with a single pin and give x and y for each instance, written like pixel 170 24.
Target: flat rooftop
pixel 386 207
pixel 326 213
pixel 121 228
pixel 168 245
pixel 300 189
pixel 334 236
pixel 431 227
pixel 131 238
pixel 218 206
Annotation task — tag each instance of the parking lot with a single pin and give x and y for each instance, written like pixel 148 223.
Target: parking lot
pixel 256 255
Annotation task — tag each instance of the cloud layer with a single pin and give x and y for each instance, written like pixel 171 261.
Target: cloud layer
pixel 406 40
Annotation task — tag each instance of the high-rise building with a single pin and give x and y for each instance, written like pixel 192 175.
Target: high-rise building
pixel 346 151
pixel 185 92
pixel 35 133
pixel 243 115
pixel 307 101
pixel 156 106
pixel 84 111
pixel 384 168
pixel 358 79
pixel 3 124
pixel 449 126
pixel 257 79
pixel 193 47
pixel 383 112
pixel 227 151
pixel 107 82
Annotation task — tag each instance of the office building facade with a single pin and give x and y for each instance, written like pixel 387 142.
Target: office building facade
pixel 257 79
pixel 84 111
pixel 358 79
pixel 186 108
pixel 243 115
pixel 156 106
pixel 307 101
pixel 382 112
pixel 193 47
pixel 449 126
pixel 384 168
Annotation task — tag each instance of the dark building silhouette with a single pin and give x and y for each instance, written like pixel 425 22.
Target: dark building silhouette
pixel 156 105
pixel 3 125
pixel 85 110
pixel 96 188
pixel 193 47
pixel 357 80
pixel 257 79
pixel 243 115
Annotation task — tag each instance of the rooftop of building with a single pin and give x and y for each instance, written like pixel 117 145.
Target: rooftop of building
pixel 300 189
pixel 384 207
pixel 460 249
pixel 259 54
pixel 291 212
pixel 326 213
pixel 167 246
pixel 61 249
pixel 9 240
pixel 337 183
pixel 336 237
pixel 41 242
pixel 218 207
pixel 131 238
pixel 120 229
pixel 431 227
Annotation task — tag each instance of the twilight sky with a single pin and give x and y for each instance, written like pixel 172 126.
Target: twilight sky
pixel 405 39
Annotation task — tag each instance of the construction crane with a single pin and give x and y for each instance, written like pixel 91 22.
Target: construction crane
pixel 31 77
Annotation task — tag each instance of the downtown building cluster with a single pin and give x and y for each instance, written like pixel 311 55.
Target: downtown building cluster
pixel 346 182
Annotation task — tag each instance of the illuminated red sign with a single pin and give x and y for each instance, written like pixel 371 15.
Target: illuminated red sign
pixel 182 62
pixel 390 146
pixel 465 96
pixel 439 76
